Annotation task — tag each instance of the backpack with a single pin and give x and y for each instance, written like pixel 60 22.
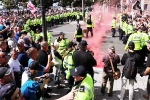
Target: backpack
pixel 129 67
pixel 89 21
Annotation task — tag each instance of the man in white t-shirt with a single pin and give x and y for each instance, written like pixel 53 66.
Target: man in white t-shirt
pixel 16 67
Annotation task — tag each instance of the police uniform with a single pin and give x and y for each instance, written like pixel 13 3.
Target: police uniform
pixel 78 34
pixel 113 29
pixel 89 25
pixel 78 18
pixel 62 44
pixel 84 86
pixel 68 64
pixel 137 39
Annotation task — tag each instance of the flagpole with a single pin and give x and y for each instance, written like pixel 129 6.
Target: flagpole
pixel 44 28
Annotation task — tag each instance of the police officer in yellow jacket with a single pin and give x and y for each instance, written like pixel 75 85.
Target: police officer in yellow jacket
pixel 63 42
pixel 129 32
pixel 78 33
pixel 89 25
pixel 137 39
pixel 78 18
pixel 83 84
pixel 39 33
pixel 113 25
pixel 68 63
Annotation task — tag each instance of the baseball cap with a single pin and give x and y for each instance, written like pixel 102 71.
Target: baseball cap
pixel 7 91
pixel 5 71
pixel 79 71
pixel 34 65
pixel 30 89
pixel 62 33
pixel 83 43
pixel 131 45
pixel 111 47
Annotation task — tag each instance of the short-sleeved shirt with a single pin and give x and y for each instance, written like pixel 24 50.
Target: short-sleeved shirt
pixel 23 59
pixel 30 90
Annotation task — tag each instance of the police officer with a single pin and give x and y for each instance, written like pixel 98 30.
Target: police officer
pixel 39 33
pixel 78 33
pixel 136 38
pixel 113 29
pixel 68 63
pixel 63 42
pixel 78 18
pixel 89 25
pixel 83 84
pixel 129 32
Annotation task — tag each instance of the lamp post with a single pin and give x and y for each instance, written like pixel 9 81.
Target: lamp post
pixel 44 28
pixel 121 3
pixel 83 10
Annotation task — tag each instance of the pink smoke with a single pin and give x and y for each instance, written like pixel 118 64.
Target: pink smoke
pixel 95 42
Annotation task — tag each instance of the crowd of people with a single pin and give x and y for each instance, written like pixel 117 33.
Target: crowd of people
pixel 28 63
pixel 134 32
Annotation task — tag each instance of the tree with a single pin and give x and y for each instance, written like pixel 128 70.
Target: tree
pixel 78 3
pixel 65 3
pixel 8 4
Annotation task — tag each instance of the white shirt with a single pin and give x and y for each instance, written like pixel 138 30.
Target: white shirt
pixel 14 64
pixel 25 77
pixel 55 60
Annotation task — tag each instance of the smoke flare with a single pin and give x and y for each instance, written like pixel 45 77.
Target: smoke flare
pixel 102 21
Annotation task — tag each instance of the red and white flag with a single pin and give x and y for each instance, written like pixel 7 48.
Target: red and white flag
pixel 31 7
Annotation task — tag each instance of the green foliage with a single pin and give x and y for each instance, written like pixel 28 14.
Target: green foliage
pixel 8 4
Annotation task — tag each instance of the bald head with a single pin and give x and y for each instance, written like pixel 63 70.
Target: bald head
pixel 44 45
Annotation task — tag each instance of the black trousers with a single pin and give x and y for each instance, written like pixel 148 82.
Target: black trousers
pixel 89 29
pixel 121 33
pixel 77 21
pixel 79 39
pixel 113 30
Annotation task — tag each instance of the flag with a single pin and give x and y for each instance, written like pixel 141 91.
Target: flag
pixel 31 7
pixel 137 5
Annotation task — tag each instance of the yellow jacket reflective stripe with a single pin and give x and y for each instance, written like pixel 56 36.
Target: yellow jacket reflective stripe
pixel 88 25
pixel 78 35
